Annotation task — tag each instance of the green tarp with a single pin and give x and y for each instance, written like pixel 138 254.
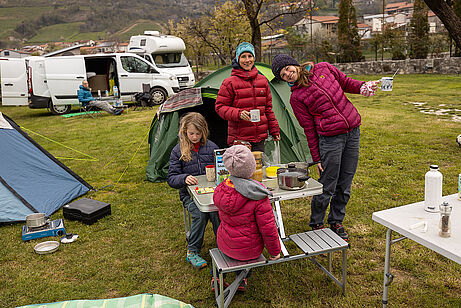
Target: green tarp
pixel 136 301
pixel 163 135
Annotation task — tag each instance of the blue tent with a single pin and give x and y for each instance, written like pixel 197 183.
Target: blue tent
pixel 31 179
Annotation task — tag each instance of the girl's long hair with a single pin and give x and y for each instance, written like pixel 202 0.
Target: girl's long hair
pixel 304 72
pixel 199 122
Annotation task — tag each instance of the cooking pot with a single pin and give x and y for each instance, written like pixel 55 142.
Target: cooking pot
pixel 293 178
pixel 36 220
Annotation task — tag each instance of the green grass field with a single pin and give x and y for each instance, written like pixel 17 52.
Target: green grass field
pixel 141 247
pixel 13 16
pixel 64 33
pixel 137 28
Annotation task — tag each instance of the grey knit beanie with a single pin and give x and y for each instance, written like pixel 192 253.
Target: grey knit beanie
pixel 280 61
pixel 239 161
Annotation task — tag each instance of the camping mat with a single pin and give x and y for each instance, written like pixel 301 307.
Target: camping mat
pixel 77 114
pixel 137 301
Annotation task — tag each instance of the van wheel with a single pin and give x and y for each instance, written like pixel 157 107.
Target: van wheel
pixel 60 109
pixel 158 96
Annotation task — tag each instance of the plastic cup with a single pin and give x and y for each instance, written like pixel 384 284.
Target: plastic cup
pixel 255 115
pixel 387 83
pixel 210 173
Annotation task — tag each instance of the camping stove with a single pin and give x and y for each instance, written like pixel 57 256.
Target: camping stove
pixel 51 228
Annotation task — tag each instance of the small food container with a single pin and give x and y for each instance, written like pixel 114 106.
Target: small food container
pixel 271 171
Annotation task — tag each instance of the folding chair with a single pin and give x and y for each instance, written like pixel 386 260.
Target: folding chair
pixel 88 110
pixel 143 99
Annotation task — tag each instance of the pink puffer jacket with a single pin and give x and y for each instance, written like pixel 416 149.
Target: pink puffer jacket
pixel 246 225
pixel 323 108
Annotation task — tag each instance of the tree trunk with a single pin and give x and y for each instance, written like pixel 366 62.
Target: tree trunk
pixel 448 17
pixel 255 27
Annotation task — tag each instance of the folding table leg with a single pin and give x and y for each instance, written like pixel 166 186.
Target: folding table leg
pixel 387 275
pixel 344 261
pixel 279 219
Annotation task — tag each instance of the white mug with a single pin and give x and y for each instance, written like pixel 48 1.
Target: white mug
pixel 387 83
pixel 255 115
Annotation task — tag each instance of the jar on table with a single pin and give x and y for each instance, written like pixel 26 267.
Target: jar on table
pixel 258 174
pixel 445 223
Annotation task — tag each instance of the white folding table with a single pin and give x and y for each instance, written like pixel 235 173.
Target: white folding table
pixel 311 243
pixel 400 219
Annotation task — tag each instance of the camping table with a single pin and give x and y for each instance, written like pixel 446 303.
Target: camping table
pixel 399 219
pixel 204 202
pixel 311 243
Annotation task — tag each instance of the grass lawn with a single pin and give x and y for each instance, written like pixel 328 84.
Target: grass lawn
pixel 141 246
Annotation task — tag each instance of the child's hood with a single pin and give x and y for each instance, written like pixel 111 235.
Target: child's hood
pixel 231 198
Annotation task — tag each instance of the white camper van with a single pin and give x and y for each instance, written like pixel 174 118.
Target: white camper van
pixel 166 53
pixel 53 82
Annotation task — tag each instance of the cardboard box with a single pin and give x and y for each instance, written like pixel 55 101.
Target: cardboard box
pixel 98 82
pixel 221 172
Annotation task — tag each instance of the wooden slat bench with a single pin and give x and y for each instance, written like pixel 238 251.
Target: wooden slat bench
pixel 312 243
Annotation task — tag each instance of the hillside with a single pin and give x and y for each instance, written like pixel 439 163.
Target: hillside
pixel 36 21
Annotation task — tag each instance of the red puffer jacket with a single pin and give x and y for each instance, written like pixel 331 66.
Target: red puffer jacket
pixel 246 90
pixel 322 108
pixel 246 225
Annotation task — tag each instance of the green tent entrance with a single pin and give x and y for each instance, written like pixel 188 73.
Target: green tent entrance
pixel 163 135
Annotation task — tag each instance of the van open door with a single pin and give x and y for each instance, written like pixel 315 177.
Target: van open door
pixel 14 82
pixel 64 75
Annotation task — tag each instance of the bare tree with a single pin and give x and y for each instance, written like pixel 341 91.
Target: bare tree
pixel 254 10
pixel 443 10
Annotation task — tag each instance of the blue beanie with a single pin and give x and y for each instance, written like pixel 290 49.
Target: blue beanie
pixel 244 47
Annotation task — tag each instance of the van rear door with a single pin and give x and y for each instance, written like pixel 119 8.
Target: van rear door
pixel 14 82
pixel 64 75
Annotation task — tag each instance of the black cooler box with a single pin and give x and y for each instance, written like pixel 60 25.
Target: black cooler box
pixel 86 210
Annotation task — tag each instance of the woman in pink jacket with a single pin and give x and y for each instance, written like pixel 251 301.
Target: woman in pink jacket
pixel 247 220
pixel 332 127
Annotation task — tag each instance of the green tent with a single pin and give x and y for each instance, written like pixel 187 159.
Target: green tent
pixel 163 134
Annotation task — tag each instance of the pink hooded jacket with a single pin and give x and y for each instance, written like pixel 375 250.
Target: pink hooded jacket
pixel 323 108
pixel 246 225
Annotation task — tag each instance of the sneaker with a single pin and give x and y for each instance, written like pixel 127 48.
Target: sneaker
pixel 243 285
pixel 225 284
pixel 195 259
pixel 318 227
pixel 339 229
pixel 118 112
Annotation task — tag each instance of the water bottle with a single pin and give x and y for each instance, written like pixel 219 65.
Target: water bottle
pixel 115 90
pixel 433 189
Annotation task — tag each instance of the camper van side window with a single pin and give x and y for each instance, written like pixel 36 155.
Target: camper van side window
pixel 143 42
pixel 135 65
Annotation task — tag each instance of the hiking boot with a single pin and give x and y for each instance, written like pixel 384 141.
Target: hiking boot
pixel 195 259
pixel 243 285
pixel 339 229
pixel 318 227
pixel 225 284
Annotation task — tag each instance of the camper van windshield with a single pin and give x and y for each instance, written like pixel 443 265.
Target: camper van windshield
pixel 170 59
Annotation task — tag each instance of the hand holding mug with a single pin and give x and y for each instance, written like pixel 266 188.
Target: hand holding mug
pixel 245 115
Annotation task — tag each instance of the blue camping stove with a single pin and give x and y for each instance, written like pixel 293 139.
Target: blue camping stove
pixel 51 228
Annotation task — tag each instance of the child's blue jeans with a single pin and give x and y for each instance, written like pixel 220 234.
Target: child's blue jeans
pixel 198 224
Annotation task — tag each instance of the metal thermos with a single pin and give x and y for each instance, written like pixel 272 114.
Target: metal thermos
pixel 433 189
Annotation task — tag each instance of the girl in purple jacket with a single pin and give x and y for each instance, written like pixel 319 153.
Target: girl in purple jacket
pixel 187 160
pixel 332 127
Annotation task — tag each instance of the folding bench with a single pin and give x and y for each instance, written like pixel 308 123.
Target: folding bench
pixel 311 243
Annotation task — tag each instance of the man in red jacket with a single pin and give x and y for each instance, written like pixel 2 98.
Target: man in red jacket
pixel 245 92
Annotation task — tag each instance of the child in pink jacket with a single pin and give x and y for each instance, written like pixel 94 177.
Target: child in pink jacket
pixel 247 220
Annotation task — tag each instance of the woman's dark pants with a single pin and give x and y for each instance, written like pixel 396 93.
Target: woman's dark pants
pixel 339 155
